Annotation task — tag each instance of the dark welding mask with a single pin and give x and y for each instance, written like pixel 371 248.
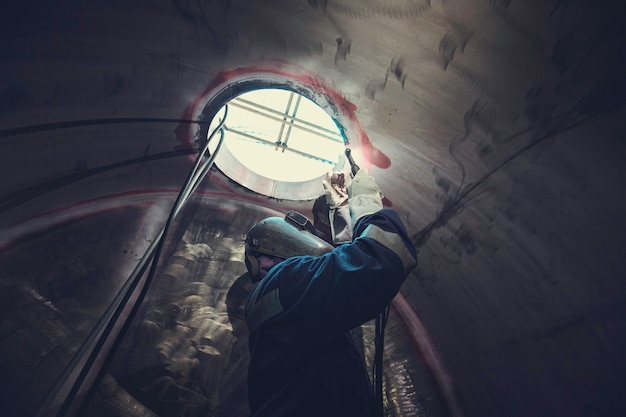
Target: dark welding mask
pixel 282 238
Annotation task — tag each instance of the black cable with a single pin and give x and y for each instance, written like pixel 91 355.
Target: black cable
pixel 18 197
pixel 91 122
pixel 191 183
pixel 377 362
pixel 181 200
pixel 377 367
pixel 452 207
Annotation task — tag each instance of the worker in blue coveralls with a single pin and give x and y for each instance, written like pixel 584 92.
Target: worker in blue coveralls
pixel 310 294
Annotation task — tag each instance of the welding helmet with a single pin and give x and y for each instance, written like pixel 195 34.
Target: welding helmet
pixel 293 235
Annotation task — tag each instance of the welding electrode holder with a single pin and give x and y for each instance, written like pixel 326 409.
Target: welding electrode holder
pixel 354 168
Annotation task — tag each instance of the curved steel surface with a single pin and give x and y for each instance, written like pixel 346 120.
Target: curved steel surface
pixel 495 128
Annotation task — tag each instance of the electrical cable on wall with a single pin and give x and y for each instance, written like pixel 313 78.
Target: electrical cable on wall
pixel 115 309
pixel 44 127
pixel 15 198
pixel 377 363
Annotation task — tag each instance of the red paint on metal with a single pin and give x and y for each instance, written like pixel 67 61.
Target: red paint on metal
pixel 424 343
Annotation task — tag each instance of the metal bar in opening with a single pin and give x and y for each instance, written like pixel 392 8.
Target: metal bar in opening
pixel 336 139
pixel 282 125
pixel 295 111
pixel 269 142
pixel 270 110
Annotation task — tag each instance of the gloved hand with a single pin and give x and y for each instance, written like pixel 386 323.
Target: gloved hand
pixel 364 195
pixel 335 188
pixel 337 200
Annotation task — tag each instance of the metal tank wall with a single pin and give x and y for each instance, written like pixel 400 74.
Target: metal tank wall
pixel 495 128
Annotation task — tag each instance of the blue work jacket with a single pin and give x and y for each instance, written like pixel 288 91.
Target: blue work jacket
pixel 303 361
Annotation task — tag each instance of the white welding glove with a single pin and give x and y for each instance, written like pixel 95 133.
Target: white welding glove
pixel 337 200
pixel 364 196
pixel 335 189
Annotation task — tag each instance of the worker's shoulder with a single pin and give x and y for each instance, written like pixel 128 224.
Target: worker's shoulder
pixel 385 218
pixel 387 229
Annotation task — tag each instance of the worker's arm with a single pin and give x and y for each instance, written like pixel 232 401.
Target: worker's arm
pixel 323 297
pixel 338 209
pixel 317 298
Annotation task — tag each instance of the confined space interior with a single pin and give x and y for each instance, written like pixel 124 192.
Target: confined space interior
pixel 496 129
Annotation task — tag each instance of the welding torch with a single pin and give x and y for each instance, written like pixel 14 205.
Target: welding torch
pixel 354 168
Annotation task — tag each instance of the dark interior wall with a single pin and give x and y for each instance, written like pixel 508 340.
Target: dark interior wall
pixel 503 125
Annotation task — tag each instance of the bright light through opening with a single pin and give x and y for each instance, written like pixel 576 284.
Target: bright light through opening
pixel 280 135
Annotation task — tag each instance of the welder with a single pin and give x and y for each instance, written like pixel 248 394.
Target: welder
pixel 310 294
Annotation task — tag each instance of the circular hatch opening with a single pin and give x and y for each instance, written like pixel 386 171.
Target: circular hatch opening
pixel 278 143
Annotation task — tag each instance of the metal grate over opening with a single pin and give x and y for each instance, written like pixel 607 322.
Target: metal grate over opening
pixel 278 135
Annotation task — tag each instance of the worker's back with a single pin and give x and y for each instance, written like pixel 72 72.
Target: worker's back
pixel 287 378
